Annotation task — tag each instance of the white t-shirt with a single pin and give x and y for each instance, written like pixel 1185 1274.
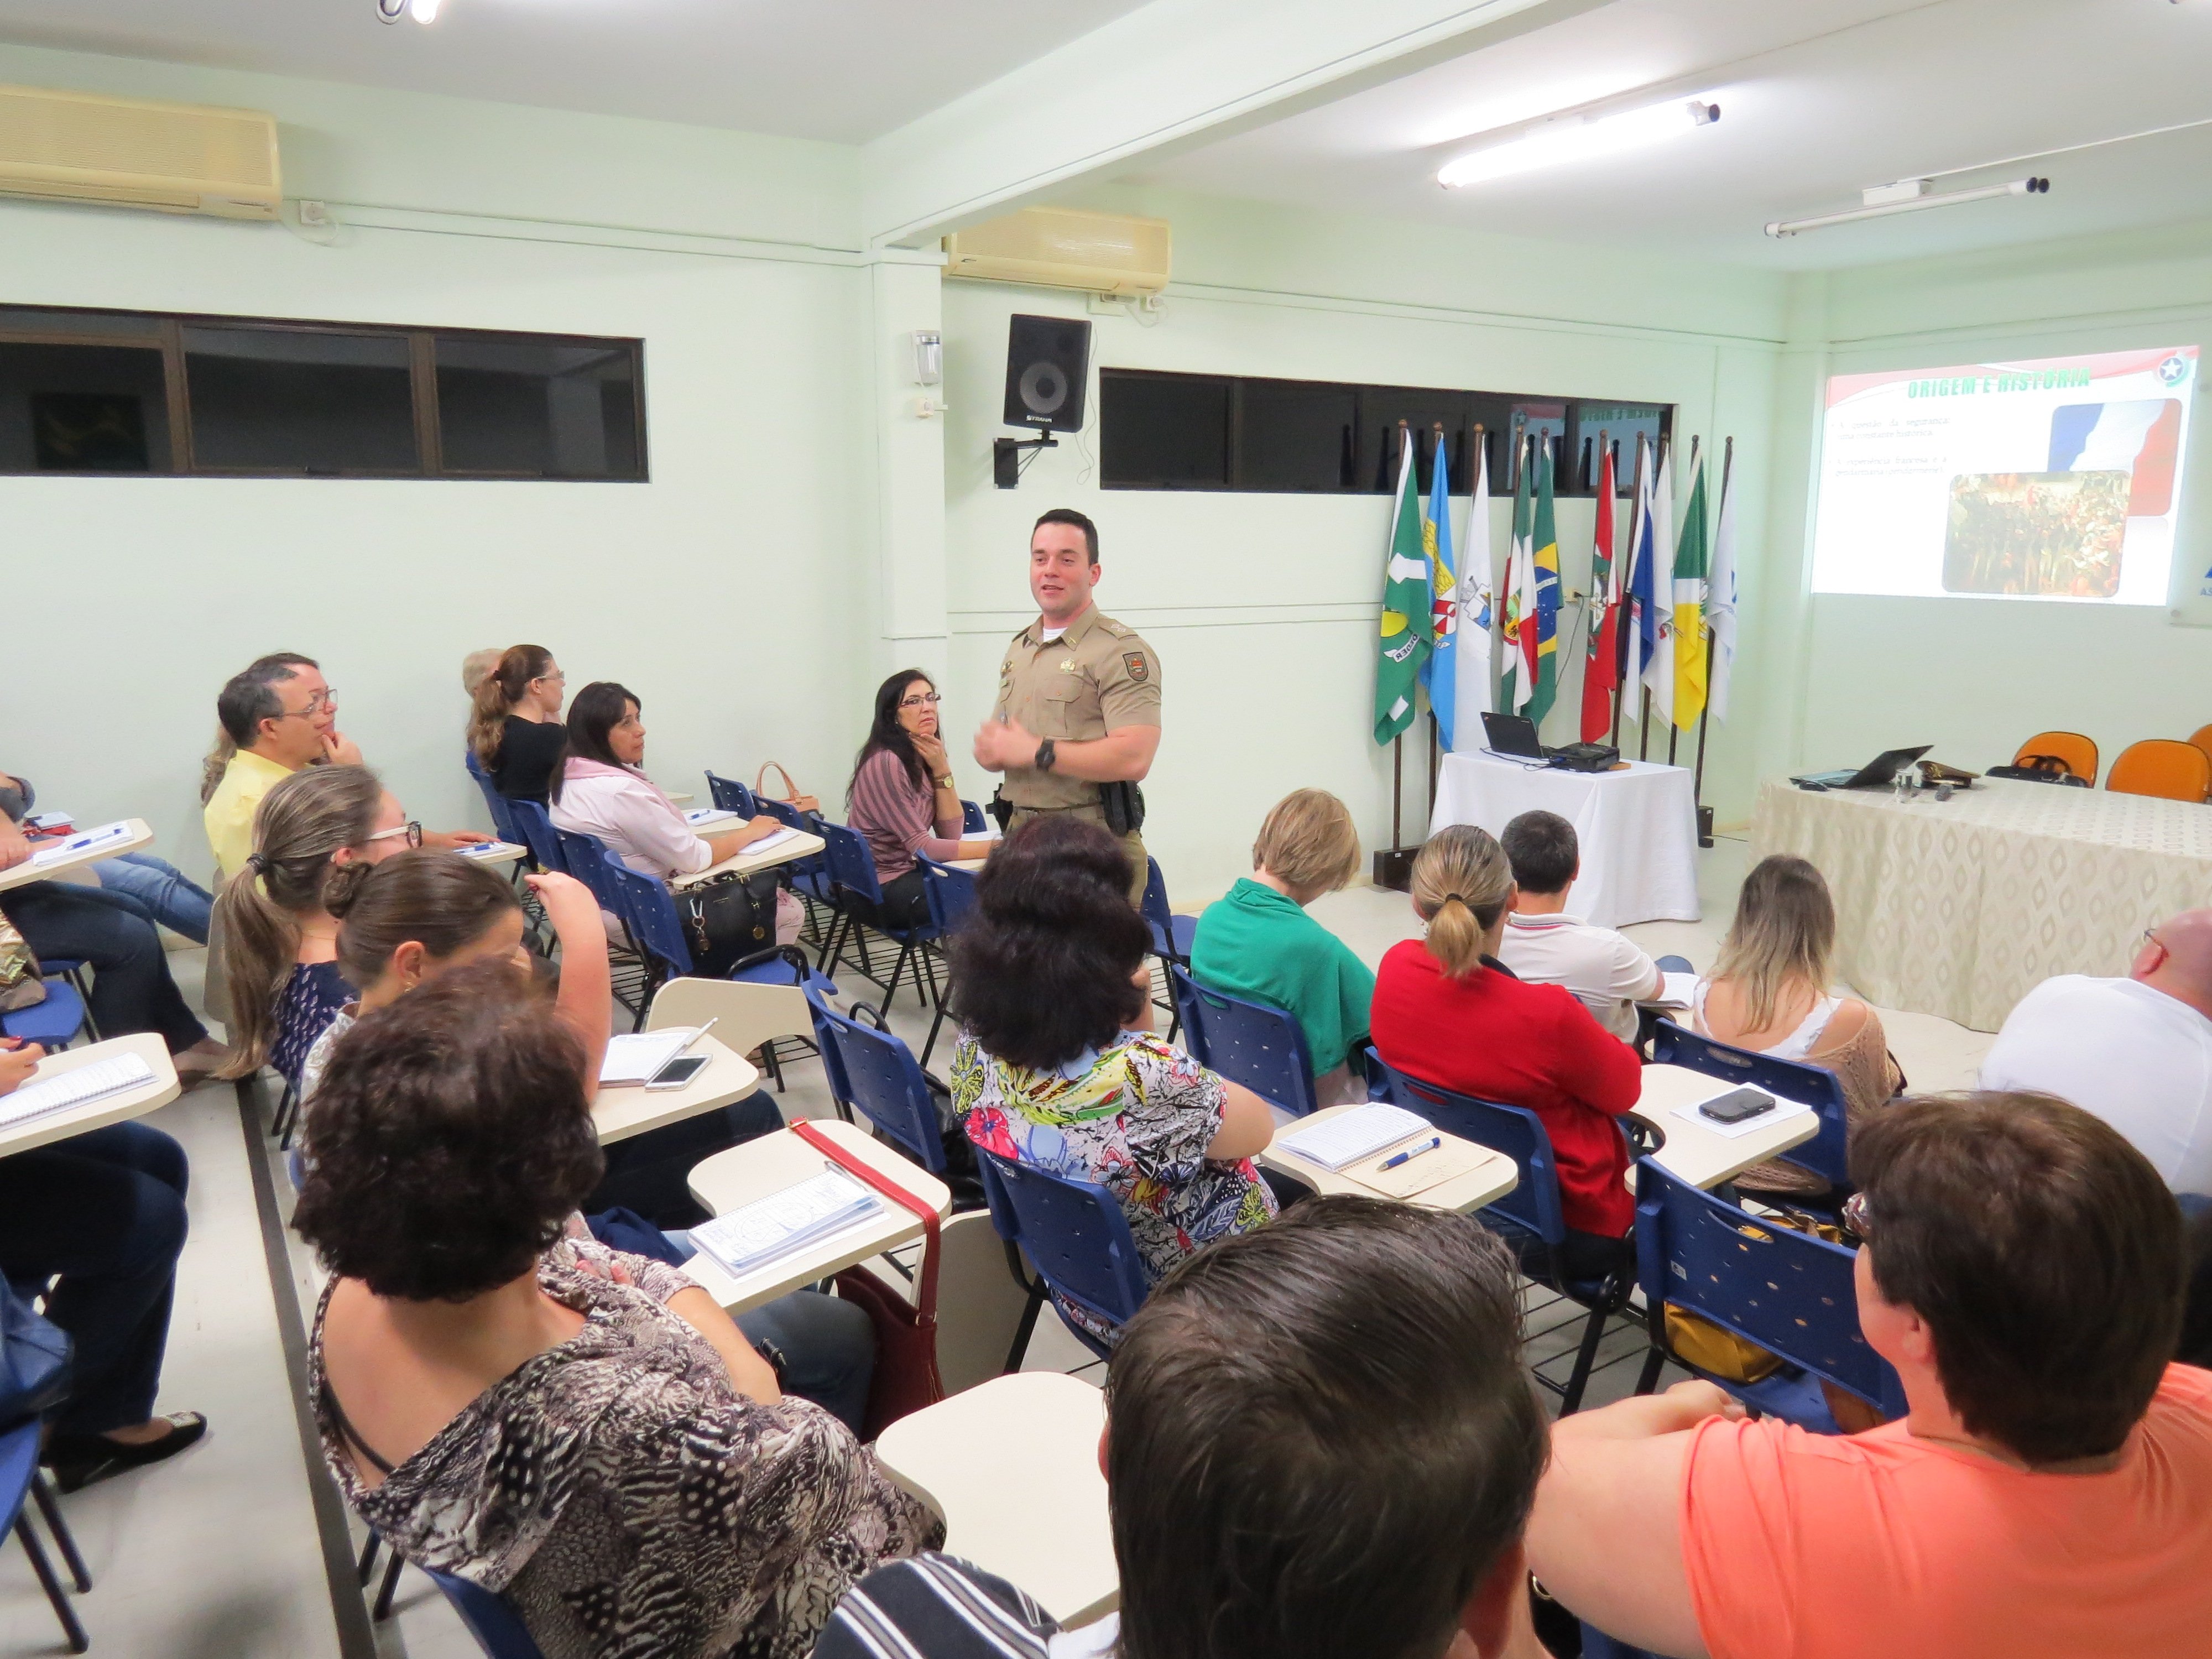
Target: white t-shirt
pixel 2135 1057
pixel 1602 968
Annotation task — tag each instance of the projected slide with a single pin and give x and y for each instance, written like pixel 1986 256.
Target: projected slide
pixel 2057 479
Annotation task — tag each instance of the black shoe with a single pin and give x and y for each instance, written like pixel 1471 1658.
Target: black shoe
pixel 79 1460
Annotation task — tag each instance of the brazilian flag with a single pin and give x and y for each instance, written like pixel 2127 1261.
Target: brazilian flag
pixel 1546 536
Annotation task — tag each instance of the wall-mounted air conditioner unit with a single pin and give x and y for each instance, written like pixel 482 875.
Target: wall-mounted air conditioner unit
pixel 179 158
pixel 1059 247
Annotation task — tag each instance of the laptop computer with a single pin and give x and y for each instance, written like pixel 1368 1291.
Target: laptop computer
pixel 1514 735
pixel 1877 774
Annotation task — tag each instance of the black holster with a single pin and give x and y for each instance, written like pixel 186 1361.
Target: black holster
pixel 1001 808
pixel 1124 805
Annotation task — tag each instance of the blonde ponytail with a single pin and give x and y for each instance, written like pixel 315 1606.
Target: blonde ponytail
pixel 497 692
pixel 1461 882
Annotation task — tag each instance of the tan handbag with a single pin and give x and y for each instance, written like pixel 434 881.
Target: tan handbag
pixel 21 985
pixel 1698 1341
pixel 792 795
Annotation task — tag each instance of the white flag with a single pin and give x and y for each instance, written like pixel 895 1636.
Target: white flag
pixel 1659 670
pixel 1477 614
pixel 1720 598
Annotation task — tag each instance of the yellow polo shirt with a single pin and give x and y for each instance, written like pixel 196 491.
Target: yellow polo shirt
pixel 229 813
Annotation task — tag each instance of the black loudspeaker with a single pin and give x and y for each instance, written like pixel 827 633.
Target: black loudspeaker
pixel 1047 372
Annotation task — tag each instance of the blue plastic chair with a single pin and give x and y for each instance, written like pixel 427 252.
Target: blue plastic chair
pixel 972 821
pixel 876 1075
pixel 1171 934
pixel 19 1479
pixel 1824 1155
pixel 1075 1233
pixel 649 911
pixel 951 895
pixel 499 1630
pixel 501 819
pixel 1792 1293
pixel 732 796
pixel 1249 1043
pixel 53 1023
pixel 858 896
pixel 1530 1217
pixel 534 828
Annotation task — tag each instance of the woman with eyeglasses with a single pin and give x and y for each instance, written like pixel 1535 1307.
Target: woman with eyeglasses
pixel 515 729
pixel 279 943
pixel 902 800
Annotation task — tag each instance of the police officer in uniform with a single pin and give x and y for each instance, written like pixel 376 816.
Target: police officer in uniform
pixel 1077 721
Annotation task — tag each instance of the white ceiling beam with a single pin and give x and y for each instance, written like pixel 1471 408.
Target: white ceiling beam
pixel 1171 75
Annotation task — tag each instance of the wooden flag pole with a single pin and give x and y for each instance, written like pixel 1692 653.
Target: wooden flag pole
pixel 1623 691
pixel 1705 714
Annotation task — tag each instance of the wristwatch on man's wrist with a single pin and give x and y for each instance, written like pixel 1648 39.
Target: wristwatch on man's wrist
pixel 1044 757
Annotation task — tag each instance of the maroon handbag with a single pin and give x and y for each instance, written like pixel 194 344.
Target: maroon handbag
pixel 906 1378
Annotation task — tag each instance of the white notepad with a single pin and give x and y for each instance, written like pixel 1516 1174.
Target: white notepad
pixel 759 1232
pixel 634 1057
pixel 1783 1108
pixel 77 1087
pixel 699 816
pixel 774 839
pixel 485 849
pixel 1358 1133
pixel 76 846
pixel 1679 991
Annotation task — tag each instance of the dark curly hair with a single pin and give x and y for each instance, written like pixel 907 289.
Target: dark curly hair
pixel 452 1140
pixel 1043 967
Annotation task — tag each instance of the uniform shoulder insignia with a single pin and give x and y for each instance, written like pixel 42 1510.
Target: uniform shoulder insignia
pixel 1119 630
pixel 1140 670
pixel 1020 634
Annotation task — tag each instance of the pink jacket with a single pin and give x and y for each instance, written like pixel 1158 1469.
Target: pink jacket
pixel 627 811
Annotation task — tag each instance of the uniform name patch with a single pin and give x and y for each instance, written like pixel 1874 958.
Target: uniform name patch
pixel 1138 669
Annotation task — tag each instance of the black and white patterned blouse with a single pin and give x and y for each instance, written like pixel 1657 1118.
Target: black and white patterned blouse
pixel 626 1500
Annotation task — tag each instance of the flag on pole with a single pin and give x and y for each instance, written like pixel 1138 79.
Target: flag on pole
pixel 1720 593
pixel 1690 560
pixel 1546 563
pixel 1406 632
pixel 1659 622
pixel 1520 629
pixel 1472 636
pixel 1440 673
pixel 1636 585
pixel 1600 666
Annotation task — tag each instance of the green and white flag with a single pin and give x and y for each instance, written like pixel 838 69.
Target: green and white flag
pixel 1407 635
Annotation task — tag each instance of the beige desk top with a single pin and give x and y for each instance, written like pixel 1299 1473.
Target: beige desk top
pixel 1013 1466
pixel 498 852
pixel 731 1179
pixel 1485 1183
pixel 1695 1152
pixel 23 874
pixel 98 1115
pixel 632 1110
pixel 801 845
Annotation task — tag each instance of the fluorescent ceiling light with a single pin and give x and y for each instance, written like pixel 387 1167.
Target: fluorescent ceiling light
pixel 1580 139
pixel 426 11
pixel 1905 196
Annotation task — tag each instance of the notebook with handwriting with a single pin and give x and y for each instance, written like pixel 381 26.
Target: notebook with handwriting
pixel 1357 1134
pixel 759 1232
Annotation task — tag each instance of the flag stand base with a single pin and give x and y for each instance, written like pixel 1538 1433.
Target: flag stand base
pixel 1394 867
pixel 1704 826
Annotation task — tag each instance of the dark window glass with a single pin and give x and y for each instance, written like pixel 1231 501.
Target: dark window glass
pixel 1422 408
pixel 1617 424
pixel 27 319
pixel 1296 435
pixel 537 409
pixel 82 409
pixel 300 401
pixel 1163 431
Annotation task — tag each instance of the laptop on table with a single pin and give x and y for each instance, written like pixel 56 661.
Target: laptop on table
pixel 1877 774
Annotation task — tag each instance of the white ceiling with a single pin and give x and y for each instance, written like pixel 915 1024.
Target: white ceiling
pixel 1819 99
pixel 842 69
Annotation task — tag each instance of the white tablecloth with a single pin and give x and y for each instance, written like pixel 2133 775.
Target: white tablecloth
pixel 1638 827
pixel 1959 907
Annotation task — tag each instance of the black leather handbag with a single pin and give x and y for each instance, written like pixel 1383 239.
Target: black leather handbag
pixel 728 919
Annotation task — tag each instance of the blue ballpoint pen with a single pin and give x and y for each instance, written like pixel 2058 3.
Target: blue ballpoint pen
pixel 1411 1153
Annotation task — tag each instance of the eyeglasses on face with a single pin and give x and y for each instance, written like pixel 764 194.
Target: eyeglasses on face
pixel 1855 1216
pixel 318 704
pixel 927 700
pixel 412 831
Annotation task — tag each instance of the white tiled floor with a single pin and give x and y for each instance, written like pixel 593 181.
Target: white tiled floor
pixel 219 1554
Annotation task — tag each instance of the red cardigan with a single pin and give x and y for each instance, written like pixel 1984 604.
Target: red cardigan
pixel 1532 1045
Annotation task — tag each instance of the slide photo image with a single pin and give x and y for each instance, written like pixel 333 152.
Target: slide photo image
pixel 2141 436
pixel 2039 535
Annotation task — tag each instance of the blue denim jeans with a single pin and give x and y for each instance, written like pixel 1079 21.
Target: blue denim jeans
pixel 159 891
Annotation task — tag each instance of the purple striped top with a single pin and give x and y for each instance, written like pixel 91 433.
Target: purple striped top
pixel 894 818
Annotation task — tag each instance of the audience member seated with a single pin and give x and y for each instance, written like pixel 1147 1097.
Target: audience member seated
pixel 131 987
pixel 1769 991
pixel 2137 1051
pixel 515 726
pixel 153 888
pixel 476 666
pixel 1257 940
pixel 902 800
pixel 1449 1013
pixel 100 1218
pixel 1057 1065
pixel 276 716
pixel 1545 945
pixel 604 1449
pixel 602 790
pixel 279 939
pixel 1321 1443
pixel 2049 1493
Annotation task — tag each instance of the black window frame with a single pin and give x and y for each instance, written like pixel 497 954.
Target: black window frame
pixel 167 335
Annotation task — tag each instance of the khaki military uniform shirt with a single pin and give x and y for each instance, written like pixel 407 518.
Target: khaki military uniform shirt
pixel 1098 675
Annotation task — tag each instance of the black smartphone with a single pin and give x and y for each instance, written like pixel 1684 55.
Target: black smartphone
pixel 1737 1105
pixel 678 1073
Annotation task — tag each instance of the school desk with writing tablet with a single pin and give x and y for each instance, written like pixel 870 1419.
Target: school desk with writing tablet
pixel 1703 1156
pixel 1478 1175
pixel 1013 1466
pixel 631 1109
pixel 50 858
pixel 19 1133
pixel 759 1168
pixel 789 846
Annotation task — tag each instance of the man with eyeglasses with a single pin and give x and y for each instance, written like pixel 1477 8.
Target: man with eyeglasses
pixel 277 716
pixel 2134 1051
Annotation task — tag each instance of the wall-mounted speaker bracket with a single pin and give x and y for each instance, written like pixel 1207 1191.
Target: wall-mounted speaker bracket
pixel 1006 457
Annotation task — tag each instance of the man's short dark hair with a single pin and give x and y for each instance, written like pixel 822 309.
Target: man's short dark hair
pixel 1543 852
pixel 1321 1439
pixel 250 695
pixel 2043 1250
pixel 1068 515
pixel 449 1139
